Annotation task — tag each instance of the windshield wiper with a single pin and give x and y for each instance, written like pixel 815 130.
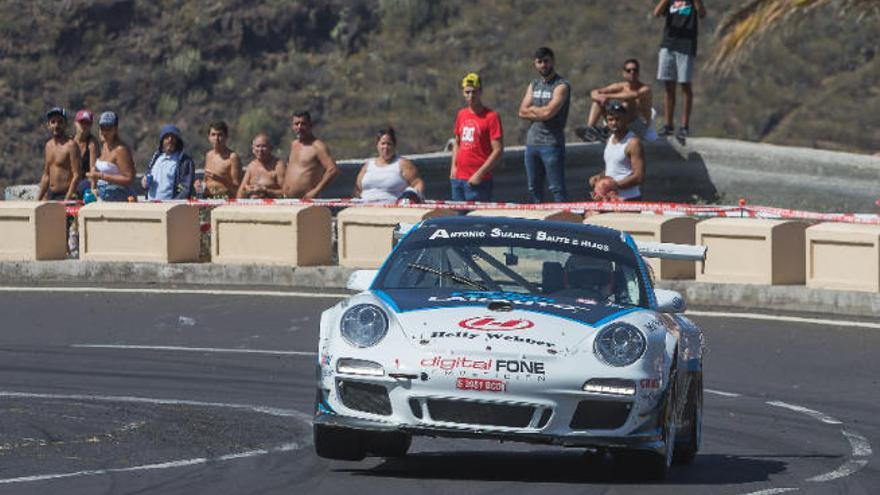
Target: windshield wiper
pixel 450 275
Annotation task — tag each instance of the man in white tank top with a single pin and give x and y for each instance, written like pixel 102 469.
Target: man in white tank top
pixel 624 157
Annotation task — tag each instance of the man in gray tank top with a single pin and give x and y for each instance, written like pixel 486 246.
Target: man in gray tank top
pixel 546 104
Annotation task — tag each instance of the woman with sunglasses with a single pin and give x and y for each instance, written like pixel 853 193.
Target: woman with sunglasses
pixel 388 177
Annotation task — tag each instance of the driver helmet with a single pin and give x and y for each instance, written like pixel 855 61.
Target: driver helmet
pixel 595 275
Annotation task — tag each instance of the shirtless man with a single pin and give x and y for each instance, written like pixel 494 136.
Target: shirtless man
pixel 222 165
pixel 61 171
pixel 264 174
pixel 635 96
pixel 310 166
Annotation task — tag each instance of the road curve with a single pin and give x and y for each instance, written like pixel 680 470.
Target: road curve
pixel 128 392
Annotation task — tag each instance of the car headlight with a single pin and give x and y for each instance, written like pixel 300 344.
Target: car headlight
pixel 619 344
pixel 364 325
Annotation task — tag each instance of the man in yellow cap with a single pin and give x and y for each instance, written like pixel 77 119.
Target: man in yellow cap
pixel 478 145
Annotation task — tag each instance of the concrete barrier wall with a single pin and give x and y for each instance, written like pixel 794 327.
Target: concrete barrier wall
pixel 157 232
pixel 366 235
pixel 751 251
pixel 655 228
pixel 31 231
pixel 706 169
pixel 271 235
pixel 843 257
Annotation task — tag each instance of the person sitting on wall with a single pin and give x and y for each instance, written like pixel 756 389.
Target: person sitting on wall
pixel 171 172
pixel 113 172
pixel 264 175
pixel 634 95
pixel 624 157
pixel 388 177
pixel 61 170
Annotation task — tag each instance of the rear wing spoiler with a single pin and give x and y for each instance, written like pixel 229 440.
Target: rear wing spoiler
pixel 663 250
pixel 670 251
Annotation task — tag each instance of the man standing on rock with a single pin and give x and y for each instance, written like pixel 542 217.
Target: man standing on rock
pixel 61 171
pixel 310 167
pixel 678 50
pixel 545 105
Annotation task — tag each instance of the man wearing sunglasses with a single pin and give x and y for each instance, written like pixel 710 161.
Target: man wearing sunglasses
pixel 634 95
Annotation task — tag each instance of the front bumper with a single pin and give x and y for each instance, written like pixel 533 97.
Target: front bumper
pixel 550 413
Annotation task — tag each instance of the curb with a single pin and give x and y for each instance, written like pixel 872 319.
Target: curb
pixel 739 296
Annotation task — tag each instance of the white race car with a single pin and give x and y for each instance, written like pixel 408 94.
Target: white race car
pixel 517 330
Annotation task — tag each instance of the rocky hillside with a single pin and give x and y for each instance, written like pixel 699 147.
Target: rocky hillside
pixel 361 64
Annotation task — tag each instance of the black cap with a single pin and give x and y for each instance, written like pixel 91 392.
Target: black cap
pixel 56 111
pixel 615 106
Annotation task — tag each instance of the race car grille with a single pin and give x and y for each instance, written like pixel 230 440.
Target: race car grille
pixel 600 415
pixel 364 397
pixel 480 413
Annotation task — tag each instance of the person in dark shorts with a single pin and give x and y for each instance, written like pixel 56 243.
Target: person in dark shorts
pixel 678 50
pixel 545 104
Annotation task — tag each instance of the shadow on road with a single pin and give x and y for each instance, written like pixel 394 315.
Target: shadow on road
pixel 556 467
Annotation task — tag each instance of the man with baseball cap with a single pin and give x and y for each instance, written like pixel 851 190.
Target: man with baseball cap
pixel 477 147
pixel 61 169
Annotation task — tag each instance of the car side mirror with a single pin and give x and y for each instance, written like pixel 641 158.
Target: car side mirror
pixel 361 280
pixel 669 301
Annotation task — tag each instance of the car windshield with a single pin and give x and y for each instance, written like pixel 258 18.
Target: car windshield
pixel 573 267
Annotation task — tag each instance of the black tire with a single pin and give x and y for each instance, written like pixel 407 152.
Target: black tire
pixel 338 443
pixel 686 447
pixel 388 444
pixel 652 465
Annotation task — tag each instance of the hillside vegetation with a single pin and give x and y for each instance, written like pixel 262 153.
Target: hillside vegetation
pixel 361 64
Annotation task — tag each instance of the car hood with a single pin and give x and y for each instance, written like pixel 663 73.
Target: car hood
pixel 462 320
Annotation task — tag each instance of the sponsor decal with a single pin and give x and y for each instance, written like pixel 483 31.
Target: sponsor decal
pixel 520 366
pixel 491 337
pixel 540 235
pixel 478 297
pixel 653 325
pixel 492 323
pixel 649 383
pixel 499 369
pixel 456 363
pixel 481 384
pixel 325 359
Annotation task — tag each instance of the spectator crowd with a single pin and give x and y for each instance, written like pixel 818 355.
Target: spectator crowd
pixel 620 114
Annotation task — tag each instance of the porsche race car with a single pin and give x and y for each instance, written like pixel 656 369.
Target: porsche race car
pixel 517 330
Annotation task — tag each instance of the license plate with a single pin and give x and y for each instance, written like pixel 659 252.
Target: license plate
pixel 481 385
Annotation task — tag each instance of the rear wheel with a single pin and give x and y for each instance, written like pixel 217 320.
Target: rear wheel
pixel 338 443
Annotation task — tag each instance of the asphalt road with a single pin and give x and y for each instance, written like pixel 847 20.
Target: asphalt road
pixel 792 407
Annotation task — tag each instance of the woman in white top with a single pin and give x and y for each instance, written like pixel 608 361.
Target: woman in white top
pixel 388 177
pixel 113 171
pixel 624 157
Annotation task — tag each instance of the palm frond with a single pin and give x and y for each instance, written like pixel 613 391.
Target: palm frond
pixel 741 28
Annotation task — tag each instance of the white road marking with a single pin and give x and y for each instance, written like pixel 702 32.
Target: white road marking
pixel 274 411
pixel 860 448
pixel 722 394
pixel 849 468
pixel 208 292
pixel 859 444
pixel 147 467
pixel 772 491
pixel 193 349
pixel 809 412
pixel 787 319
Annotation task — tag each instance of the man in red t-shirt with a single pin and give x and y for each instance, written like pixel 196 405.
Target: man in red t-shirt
pixel 478 145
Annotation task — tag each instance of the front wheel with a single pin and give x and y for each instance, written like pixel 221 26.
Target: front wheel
pixel 688 446
pixel 338 443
